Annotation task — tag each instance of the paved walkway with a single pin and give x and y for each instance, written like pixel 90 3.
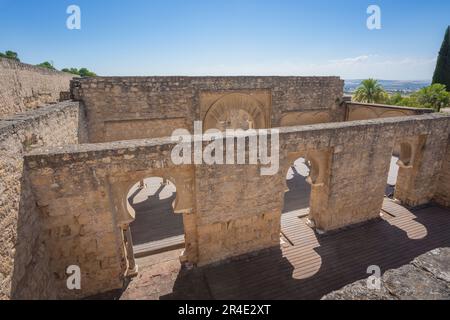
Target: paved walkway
pixel 306 266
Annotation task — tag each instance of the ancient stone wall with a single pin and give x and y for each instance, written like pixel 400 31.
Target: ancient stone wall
pixel 228 210
pixel 24 87
pixel 442 195
pixel 85 205
pixel 123 108
pixel 365 111
pixel 237 211
pixel 24 269
pixel 356 162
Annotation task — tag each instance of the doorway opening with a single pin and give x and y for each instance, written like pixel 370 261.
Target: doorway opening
pixel 156 227
pixel 297 198
pixel 392 177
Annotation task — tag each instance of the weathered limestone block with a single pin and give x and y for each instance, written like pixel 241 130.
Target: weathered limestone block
pixel 24 270
pixel 24 87
pixel 426 278
pixel 418 179
pixel 442 195
pixel 123 108
pixel 228 210
pixel 436 262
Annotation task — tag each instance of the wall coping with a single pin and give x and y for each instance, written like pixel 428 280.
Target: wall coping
pixel 13 64
pixel 385 106
pixel 13 122
pixel 43 157
pixel 190 78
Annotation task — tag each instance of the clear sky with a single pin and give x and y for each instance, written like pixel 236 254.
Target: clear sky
pixel 230 37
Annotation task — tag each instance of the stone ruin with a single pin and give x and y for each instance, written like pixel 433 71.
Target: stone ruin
pixel 66 168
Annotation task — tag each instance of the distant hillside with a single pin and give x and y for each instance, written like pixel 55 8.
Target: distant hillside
pixel 391 86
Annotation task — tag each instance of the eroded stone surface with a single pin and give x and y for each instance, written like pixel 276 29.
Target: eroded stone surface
pixel 426 278
pixel 24 87
pixel 24 269
pixel 436 262
pixel 67 205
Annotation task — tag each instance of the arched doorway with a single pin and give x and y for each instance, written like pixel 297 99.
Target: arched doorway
pixel 402 157
pixel 156 227
pixel 295 213
pixel 392 177
pixel 297 197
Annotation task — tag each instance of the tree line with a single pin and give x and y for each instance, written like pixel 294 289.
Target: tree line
pixel 436 96
pixel 82 72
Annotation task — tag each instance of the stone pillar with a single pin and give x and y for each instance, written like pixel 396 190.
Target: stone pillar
pixel 442 195
pixel 190 254
pixel 419 167
pixel 132 266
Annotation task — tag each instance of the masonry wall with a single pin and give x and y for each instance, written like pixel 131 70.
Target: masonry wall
pixel 83 192
pixel 357 167
pixel 123 108
pixel 24 264
pixel 364 111
pixel 228 210
pixel 238 211
pixel 442 195
pixel 24 87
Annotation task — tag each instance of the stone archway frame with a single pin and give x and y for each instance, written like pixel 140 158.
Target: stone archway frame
pixel 228 107
pixel 183 179
pixel 409 150
pixel 410 155
pixel 319 164
pixel 406 156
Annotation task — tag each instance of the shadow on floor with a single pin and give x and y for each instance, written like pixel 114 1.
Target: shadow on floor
pixel 310 272
pixel 389 191
pixel 155 218
pixel 299 193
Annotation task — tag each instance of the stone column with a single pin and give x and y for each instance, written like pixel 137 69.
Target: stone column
pixel 132 266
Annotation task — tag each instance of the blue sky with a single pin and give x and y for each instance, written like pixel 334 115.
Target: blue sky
pixel 230 37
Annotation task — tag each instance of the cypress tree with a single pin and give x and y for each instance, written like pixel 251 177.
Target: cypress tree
pixel 442 72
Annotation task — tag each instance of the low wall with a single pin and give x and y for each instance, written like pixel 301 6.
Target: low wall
pixel 227 210
pixel 24 87
pixel 364 111
pixel 24 264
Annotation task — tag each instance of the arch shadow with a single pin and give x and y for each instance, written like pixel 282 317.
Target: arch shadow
pixel 155 217
pixel 298 196
pixel 340 258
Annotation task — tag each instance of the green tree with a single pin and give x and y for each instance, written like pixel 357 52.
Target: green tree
pixel 370 91
pixel 10 55
pixel 86 73
pixel 395 99
pixel 47 65
pixel 434 97
pixel 83 72
pixel 71 70
pixel 442 72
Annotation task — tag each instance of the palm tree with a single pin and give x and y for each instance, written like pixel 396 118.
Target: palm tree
pixel 370 91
